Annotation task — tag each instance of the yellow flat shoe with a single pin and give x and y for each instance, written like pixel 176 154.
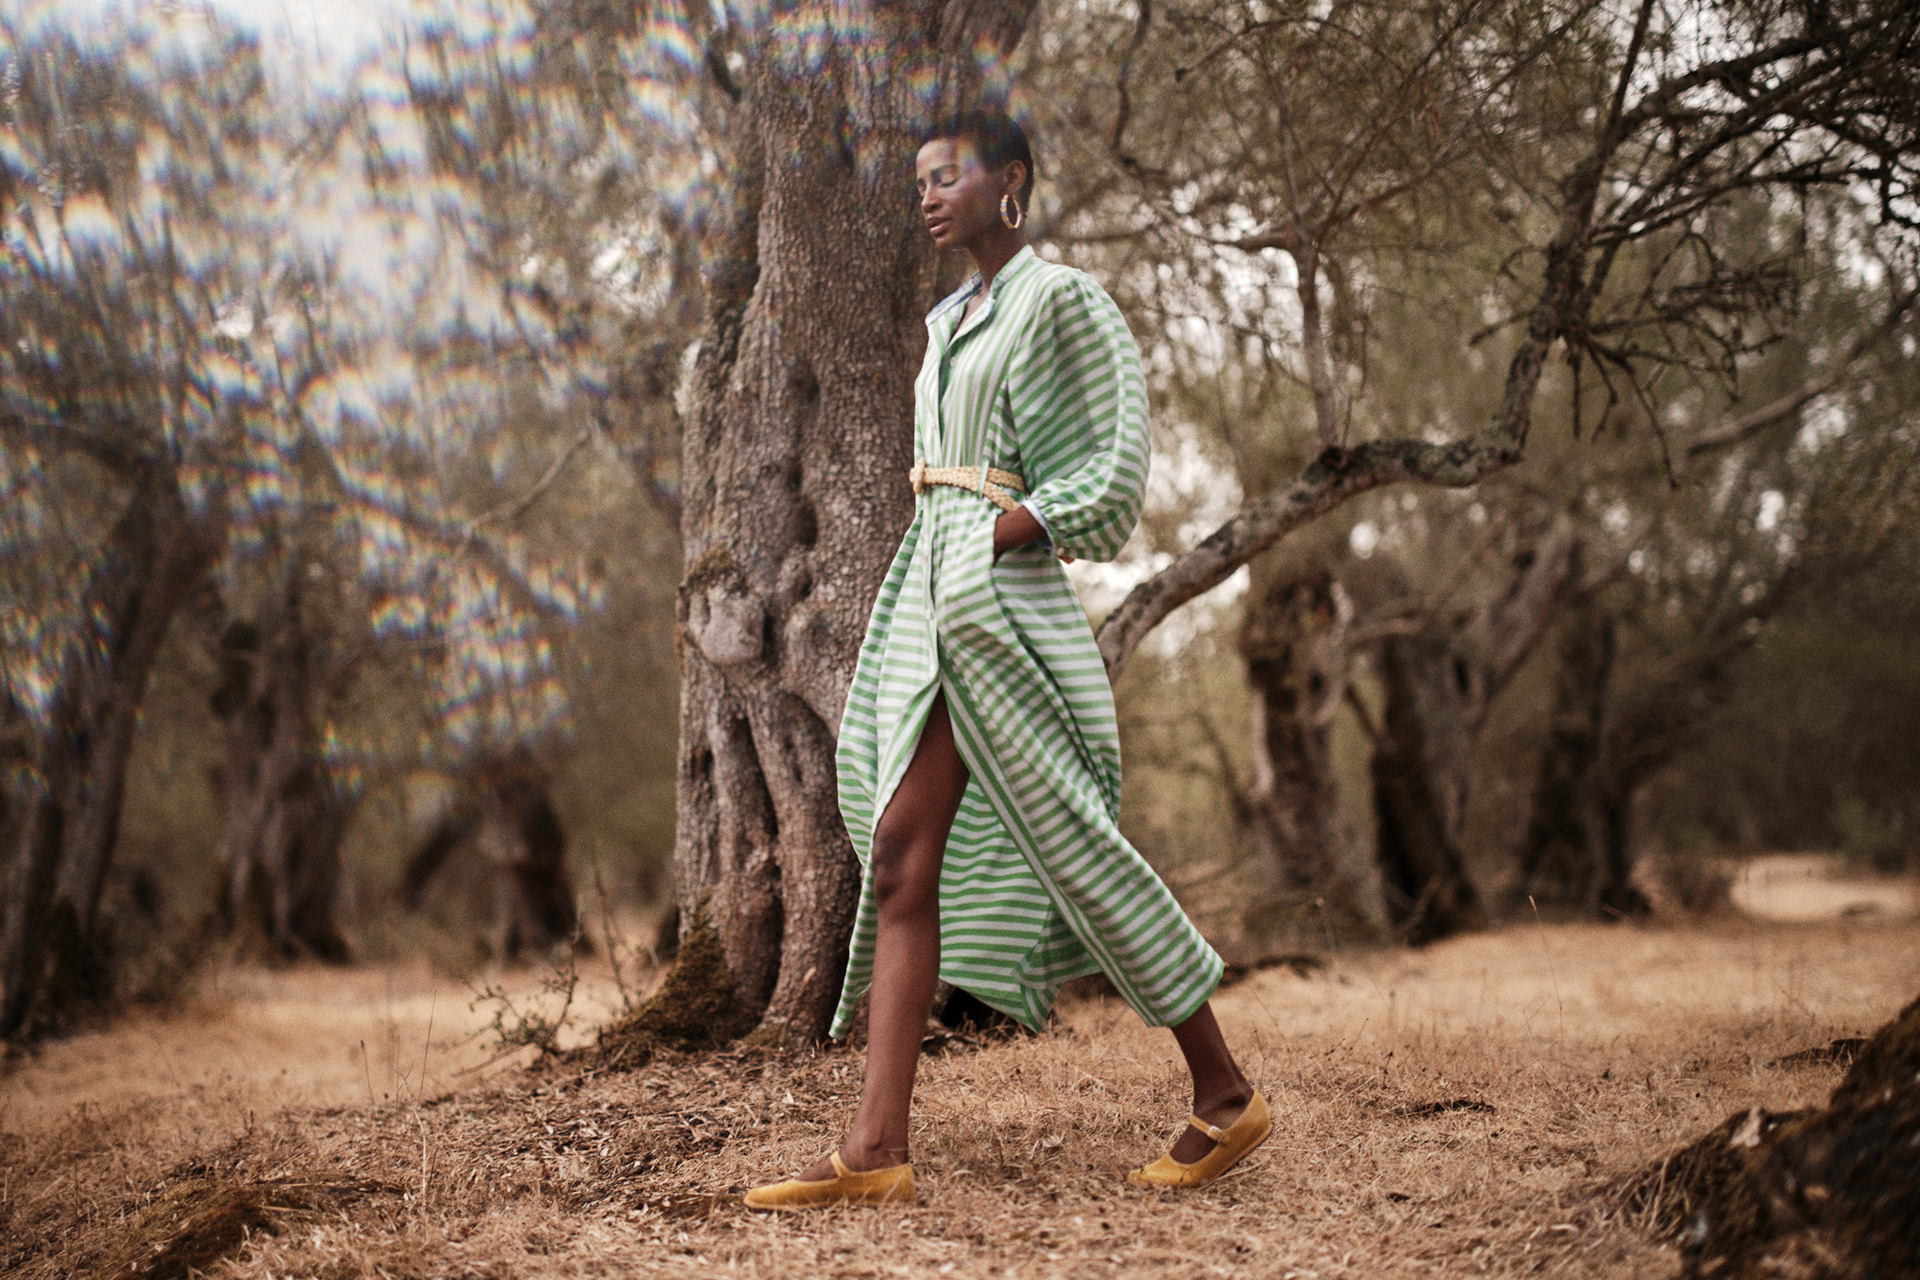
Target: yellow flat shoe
pixel 1231 1145
pixel 874 1186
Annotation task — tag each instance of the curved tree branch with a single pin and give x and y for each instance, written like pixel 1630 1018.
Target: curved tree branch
pixel 1332 478
pixel 1748 425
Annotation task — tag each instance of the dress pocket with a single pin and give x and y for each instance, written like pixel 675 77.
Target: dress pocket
pixel 965 586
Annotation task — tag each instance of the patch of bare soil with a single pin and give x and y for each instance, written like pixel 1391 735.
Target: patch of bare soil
pixel 1814 886
pixel 1460 1110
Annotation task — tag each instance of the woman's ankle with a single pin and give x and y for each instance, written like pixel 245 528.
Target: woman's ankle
pixel 864 1156
pixel 1233 1095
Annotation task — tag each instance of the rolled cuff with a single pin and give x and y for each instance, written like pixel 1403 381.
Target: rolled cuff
pixel 1041 516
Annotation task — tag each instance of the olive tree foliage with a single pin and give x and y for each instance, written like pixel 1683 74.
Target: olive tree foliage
pixel 1312 150
pixel 1809 744
pixel 1778 513
pixel 1652 577
pixel 565 178
pixel 1350 233
pixel 201 400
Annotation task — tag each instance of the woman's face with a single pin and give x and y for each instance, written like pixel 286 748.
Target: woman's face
pixel 959 197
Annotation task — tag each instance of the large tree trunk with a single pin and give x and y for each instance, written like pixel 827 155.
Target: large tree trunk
pixel 51 954
pixel 1294 642
pixel 1576 852
pixel 284 818
pixel 794 466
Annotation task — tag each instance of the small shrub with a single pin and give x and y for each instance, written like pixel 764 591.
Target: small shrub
pixel 516 1027
pixel 1694 884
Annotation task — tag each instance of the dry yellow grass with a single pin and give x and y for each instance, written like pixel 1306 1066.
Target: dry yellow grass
pixel 267 1039
pixel 1560 1057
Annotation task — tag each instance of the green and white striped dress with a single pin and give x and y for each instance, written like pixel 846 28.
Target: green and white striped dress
pixel 1038 885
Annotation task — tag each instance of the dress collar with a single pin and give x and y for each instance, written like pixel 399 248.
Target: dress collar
pixel 1015 265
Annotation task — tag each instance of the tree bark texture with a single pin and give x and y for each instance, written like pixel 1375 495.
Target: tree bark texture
pixel 1294 641
pixel 50 947
pixel 284 818
pixel 794 460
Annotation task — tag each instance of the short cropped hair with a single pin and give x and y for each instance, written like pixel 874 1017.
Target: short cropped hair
pixel 996 138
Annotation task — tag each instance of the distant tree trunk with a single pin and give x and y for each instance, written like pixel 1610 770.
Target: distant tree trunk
pixel 1420 790
pixel 793 476
pixel 16 764
pixel 51 954
pixel 1294 642
pixel 521 839
pixel 1440 684
pixel 453 829
pixel 1576 852
pixel 284 818
pixel 504 816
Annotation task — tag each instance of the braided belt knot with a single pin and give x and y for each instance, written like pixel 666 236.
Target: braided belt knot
pixel 970 479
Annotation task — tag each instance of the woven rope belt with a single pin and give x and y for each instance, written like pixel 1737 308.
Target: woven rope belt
pixel 968 478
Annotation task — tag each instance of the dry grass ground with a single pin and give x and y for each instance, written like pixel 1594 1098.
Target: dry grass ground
pixel 1455 1111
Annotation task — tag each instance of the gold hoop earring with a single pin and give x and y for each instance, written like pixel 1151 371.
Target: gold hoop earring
pixel 1019 214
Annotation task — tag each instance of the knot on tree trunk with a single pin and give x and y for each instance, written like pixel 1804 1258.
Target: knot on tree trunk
pixel 721 614
pixel 727 625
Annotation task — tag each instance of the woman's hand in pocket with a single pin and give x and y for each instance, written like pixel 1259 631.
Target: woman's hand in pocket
pixel 1014 529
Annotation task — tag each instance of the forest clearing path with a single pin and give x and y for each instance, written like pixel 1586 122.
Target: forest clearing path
pixel 1450 1109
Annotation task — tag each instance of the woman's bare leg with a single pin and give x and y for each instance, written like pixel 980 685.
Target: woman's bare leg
pixel 1219 1090
pixel 908 846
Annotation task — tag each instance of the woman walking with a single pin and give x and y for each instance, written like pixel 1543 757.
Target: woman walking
pixel 979 757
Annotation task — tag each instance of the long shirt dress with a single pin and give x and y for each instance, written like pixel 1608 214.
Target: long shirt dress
pixel 1038 885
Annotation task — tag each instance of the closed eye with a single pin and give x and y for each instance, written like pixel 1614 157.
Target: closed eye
pixel 944 176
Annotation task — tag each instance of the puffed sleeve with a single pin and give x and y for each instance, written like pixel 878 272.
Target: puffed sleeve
pixel 1079 408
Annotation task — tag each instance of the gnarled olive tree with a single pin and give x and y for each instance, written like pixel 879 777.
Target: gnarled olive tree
pixel 797 439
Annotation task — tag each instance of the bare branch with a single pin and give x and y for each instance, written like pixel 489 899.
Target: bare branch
pixel 1306 262
pixel 1748 425
pixel 1634 48
pixel 1408 623
pixel 1239 793
pixel 1523 618
pixel 1278 238
pixel 1365 717
pixel 1313 346
pixel 507 512
pixel 1124 111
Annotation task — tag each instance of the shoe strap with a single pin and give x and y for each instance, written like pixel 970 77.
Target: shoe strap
pixel 840 1167
pixel 1212 1131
